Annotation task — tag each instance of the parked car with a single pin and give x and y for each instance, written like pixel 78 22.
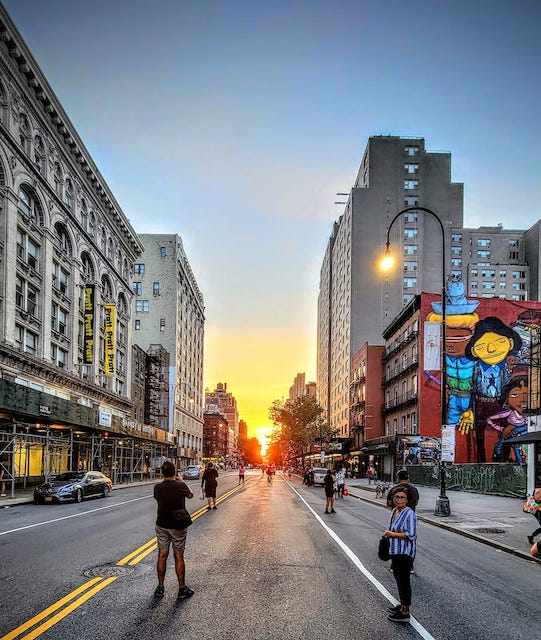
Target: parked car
pixel 319 475
pixel 191 473
pixel 73 485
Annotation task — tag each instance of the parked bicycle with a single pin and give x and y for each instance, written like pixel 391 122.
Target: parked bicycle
pixel 382 488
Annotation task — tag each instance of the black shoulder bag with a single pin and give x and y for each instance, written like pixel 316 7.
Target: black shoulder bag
pixel 182 518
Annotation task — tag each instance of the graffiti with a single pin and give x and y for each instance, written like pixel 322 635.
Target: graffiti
pixel 496 479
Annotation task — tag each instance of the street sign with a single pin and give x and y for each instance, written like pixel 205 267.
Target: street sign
pixel 448 443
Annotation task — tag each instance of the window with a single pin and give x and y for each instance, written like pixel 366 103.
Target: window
pixel 156 288
pixel 39 154
pixel 456 262
pixel 456 251
pixel 163 252
pixel 410 233
pixel 141 306
pixel 483 242
pixel 473 284
pixel 519 274
pixel 456 237
pixel 456 274
pixel 26 297
pixel 27 249
pixel 503 285
pixel 410 249
pixel 488 273
pixel 59 319
pixel 483 254
pixel 139 267
pixel 473 272
pixel 513 255
pixel 411 201
pixel 488 285
pixel 137 288
pixel 411 184
pixel 411 168
pixel 68 194
pixel 503 273
pixel 137 325
pixel 27 204
pixel 60 278
pixel 519 286
pixel 162 324
pixel 410 266
pixel 411 216
pixel 410 282
pixel 408 297
pixel 57 179
pixel 513 243
pixel 411 151
pixel 24 131
pixel 26 340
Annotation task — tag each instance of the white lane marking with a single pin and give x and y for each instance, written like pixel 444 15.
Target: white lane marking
pixel 356 561
pixel 73 515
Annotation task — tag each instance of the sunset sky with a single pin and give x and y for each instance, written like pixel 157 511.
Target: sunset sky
pixel 234 124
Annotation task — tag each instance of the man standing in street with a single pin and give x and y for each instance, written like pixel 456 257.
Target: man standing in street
pixel 170 495
pixel 411 492
pixel 340 483
pixel 329 484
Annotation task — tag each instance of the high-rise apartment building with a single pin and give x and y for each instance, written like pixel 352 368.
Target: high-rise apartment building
pixel 169 311
pixel 223 401
pixel 355 301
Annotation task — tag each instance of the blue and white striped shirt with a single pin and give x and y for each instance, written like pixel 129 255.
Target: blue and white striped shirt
pixel 405 522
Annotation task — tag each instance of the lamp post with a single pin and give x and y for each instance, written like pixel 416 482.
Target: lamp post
pixel 442 502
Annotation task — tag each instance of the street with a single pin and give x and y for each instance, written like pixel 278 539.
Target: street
pixel 266 564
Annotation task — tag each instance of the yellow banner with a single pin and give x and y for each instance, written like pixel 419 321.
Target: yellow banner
pixel 110 345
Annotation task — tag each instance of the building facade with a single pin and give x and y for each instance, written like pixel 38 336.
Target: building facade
pixel 223 402
pixel 169 310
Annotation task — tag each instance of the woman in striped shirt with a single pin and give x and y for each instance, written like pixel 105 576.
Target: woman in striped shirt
pixel 402 533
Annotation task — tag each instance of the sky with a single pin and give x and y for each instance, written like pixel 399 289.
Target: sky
pixel 235 124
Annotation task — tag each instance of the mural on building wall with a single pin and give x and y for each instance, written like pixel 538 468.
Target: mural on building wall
pixel 487 360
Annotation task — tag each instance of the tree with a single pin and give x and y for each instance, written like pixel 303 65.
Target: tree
pixel 299 423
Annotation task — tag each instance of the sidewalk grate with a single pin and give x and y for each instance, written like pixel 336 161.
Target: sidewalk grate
pixel 489 530
pixel 108 571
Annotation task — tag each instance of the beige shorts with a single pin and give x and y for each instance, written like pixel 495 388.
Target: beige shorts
pixel 167 536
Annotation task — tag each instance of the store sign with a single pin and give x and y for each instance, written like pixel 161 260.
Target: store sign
pixel 110 345
pixel 88 353
pixel 104 417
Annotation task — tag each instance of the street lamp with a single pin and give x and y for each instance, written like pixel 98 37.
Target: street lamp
pixel 442 503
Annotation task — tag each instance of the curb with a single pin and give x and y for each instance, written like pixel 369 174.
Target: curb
pixel 466 534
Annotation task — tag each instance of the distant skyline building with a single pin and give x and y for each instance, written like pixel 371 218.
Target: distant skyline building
pixel 222 401
pixel 169 311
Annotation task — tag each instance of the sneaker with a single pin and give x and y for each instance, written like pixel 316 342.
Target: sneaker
pixel 399 617
pixel 395 609
pixel 184 593
pixel 327 511
pixel 159 592
pixel 333 511
pixel 530 539
pixel 412 571
pixel 214 507
pixel 209 508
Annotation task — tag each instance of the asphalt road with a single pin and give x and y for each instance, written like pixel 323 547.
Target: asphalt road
pixel 266 564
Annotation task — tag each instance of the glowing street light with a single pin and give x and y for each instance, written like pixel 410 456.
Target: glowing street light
pixel 442 503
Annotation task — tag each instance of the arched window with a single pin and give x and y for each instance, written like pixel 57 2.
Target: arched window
pixel 84 214
pixel 57 178
pixel 92 225
pixel 29 205
pixel 107 289
pixel 39 154
pixel 61 238
pixel 68 194
pixel 122 305
pixel 24 132
pixel 3 105
pixel 88 267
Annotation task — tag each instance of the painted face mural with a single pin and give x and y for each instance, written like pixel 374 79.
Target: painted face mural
pixel 492 347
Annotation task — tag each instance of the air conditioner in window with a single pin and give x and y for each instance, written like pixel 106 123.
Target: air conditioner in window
pixel 61 364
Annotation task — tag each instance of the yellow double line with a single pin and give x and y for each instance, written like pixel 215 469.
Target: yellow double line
pixel 83 593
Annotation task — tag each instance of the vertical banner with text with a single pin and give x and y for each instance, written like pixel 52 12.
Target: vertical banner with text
pixel 88 350
pixel 110 345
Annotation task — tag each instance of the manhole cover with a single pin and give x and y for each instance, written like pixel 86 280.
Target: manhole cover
pixel 108 571
pixel 489 530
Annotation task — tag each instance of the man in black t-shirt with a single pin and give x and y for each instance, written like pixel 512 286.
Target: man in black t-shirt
pixel 170 495
pixel 404 485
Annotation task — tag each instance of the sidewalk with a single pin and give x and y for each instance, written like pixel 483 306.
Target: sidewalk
pixel 493 520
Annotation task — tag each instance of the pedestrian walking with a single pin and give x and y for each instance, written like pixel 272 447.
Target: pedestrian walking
pixel 371 474
pixel 289 473
pixel 209 483
pixel 402 534
pixel 329 483
pixel 536 515
pixel 171 494
pixel 340 483
pixel 241 474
